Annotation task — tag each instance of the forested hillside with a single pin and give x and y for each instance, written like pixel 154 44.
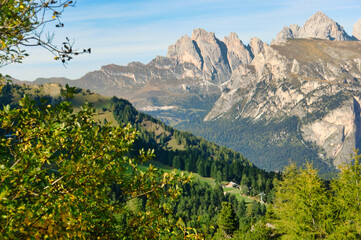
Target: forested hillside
pixel 185 151
pixel 174 148
pixel 280 141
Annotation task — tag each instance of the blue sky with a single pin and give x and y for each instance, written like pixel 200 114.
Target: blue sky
pixel 122 31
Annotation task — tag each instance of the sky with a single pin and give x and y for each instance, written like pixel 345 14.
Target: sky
pixel 123 31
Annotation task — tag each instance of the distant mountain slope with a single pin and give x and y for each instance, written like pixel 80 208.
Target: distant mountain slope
pixel 316 81
pixel 310 74
pixel 183 85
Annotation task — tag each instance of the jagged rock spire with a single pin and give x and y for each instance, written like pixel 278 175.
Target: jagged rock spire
pixel 237 52
pixel 185 50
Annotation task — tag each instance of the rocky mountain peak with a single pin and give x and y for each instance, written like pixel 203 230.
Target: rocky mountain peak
pixel 357 30
pixel 295 29
pixel 318 25
pixel 256 46
pixel 319 17
pixel 200 34
pixel 232 37
pixel 185 50
pixel 321 26
pixel 285 33
pixel 214 54
pixel 208 54
pixel 237 52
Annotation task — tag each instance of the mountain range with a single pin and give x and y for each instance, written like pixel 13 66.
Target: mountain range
pixel 297 98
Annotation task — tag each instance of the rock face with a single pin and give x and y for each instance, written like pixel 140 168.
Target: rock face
pixel 237 52
pixel 256 46
pixel 214 55
pixel 206 52
pixel 321 26
pixel 287 32
pixel 216 59
pixel 317 26
pixel 186 50
pixel 337 132
pixel 357 30
pixel 317 81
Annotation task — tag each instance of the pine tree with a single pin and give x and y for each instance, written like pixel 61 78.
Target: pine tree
pixel 176 162
pixel 200 167
pixel 347 202
pixel 227 219
pixel 301 205
pixel 218 177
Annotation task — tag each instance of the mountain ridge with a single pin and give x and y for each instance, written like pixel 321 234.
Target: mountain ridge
pixel 308 72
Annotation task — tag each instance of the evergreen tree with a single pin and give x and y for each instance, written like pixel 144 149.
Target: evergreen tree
pixel 200 167
pixel 218 177
pixel 227 219
pixel 176 162
pixel 245 184
pixel 347 201
pixel 260 231
pixel 6 95
pixel 301 205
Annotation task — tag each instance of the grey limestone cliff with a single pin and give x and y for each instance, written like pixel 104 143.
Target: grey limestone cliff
pixel 206 51
pixel 237 52
pixel 186 50
pixel 317 81
pixel 256 46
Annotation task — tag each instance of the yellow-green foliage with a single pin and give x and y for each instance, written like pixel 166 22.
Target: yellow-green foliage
pixel 347 201
pixel 301 204
pixel 305 209
pixel 60 169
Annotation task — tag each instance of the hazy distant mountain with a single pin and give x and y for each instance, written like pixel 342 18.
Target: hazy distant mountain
pixel 303 91
pixel 59 80
pixel 186 83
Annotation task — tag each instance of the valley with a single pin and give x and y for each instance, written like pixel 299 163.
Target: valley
pixel 176 152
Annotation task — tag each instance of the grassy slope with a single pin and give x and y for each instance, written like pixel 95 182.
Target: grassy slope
pixel 98 101
pixel 210 181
